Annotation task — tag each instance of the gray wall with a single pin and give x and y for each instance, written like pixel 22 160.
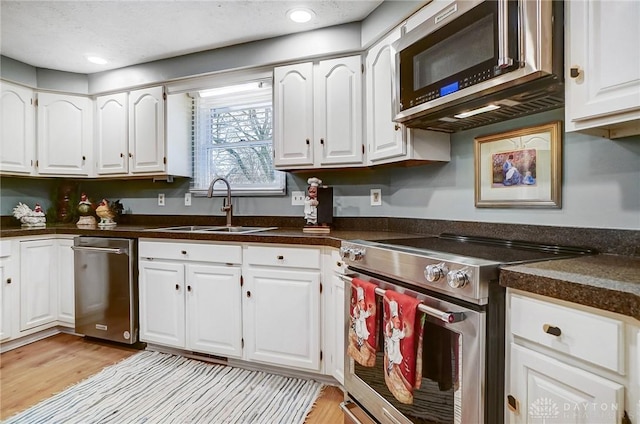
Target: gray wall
pixel 600 189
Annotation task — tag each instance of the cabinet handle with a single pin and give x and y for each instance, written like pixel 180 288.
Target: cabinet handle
pixel 339 264
pixel 512 403
pixel 280 257
pixel 184 252
pixel 8 280
pixel 177 286
pixel 397 127
pixel 550 329
pixel 248 293
pixel 189 288
pixel 574 72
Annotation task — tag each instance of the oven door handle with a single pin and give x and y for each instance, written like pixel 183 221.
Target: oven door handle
pixel 445 316
pixel 448 317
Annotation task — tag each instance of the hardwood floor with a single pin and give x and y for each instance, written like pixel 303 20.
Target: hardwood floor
pixel 39 370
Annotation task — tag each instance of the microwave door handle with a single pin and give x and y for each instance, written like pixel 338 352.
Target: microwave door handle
pixel 503 35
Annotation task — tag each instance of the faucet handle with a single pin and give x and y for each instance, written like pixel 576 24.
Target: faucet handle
pixel 226 207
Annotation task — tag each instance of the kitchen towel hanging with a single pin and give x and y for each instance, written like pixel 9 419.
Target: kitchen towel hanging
pixel 363 329
pixel 403 329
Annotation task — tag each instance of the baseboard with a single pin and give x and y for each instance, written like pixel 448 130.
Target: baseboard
pixel 33 337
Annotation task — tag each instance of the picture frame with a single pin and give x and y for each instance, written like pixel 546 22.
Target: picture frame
pixel 520 168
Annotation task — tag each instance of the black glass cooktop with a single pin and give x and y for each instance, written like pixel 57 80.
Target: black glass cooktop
pixel 491 249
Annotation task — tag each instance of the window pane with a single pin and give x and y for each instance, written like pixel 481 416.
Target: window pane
pixel 233 139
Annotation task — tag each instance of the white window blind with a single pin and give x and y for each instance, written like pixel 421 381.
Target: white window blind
pixel 233 129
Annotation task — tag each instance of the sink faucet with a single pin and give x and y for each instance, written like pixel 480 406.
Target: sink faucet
pixel 226 205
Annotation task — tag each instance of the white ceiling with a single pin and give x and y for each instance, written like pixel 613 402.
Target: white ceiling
pixel 61 34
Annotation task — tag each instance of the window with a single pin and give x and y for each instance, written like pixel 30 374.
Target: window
pixel 232 138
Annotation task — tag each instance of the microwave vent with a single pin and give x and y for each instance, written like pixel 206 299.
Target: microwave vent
pixel 519 105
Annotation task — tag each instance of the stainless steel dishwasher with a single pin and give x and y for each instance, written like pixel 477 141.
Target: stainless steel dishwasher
pixel 106 288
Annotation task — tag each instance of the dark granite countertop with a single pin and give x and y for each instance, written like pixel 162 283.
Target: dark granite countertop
pixel 607 282
pixel 285 235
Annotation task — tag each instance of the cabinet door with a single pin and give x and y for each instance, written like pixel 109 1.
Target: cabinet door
pixel 112 134
pixel 602 42
pixel 146 130
pixel 338 111
pixel 17 129
pixel 65 126
pixel 282 317
pixel 162 288
pixel 338 327
pixel 384 137
pixel 214 310
pixel 38 283
pixel 8 303
pixel 547 389
pixel 66 290
pixel 293 115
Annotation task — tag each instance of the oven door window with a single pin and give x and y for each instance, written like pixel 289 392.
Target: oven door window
pixel 439 397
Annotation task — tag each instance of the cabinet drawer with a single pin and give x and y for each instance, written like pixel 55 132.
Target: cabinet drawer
pixel 291 257
pixel 200 252
pixel 593 338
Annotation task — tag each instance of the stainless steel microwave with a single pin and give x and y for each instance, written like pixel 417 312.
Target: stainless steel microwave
pixel 477 62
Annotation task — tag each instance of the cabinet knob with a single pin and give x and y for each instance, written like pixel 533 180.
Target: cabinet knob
pixel 248 293
pixel 574 72
pixel 8 280
pixel 397 127
pixel 339 264
pixel 550 329
pixel 280 257
pixel 308 142
pixel 177 286
pixel 512 403
pixel 130 155
pixel 322 141
pixel 84 158
pixel 184 252
pixel 188 288
pixel 121 155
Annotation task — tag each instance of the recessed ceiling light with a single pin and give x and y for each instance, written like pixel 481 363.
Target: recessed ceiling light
pixel 300 15
pixel 97 60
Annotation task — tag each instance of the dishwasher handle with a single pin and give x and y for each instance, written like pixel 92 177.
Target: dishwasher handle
pixel 115 250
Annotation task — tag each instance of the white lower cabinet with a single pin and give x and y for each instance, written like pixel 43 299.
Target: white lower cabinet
pixel 334 314
pixel 190 296
pixel 9 289
pixel 546 388
pixel 569 363
pixel 66 288
pixel 38 283
pixel 282 306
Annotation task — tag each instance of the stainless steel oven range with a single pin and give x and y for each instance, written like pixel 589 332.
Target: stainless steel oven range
pixel 462 353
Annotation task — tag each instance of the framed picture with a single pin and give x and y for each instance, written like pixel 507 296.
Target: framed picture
pixel 519 169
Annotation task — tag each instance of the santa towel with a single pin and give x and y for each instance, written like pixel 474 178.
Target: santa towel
pixel 363 329
pixel 403 329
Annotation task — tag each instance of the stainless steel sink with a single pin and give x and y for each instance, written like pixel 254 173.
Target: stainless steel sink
pixel 208 229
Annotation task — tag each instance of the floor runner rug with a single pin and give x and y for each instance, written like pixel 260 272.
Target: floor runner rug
pixel 154 387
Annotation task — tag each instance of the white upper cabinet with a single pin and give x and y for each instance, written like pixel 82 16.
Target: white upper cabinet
pixel 17 129
pixel 384 137
pixel 112 134
pixel 389 141
pixel 65 124
pixel 602 61
pixel 338 111
pixel 146 130
pixel 318 114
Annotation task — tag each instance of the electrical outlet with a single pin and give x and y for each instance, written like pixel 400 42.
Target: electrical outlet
pixel 161 199
pixel 376 197
pixel 297 198
pixel 187 199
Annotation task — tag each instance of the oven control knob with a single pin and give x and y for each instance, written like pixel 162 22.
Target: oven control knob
pixel 344 252
pixel 457 279
pixel 356 254
pixel 435 272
